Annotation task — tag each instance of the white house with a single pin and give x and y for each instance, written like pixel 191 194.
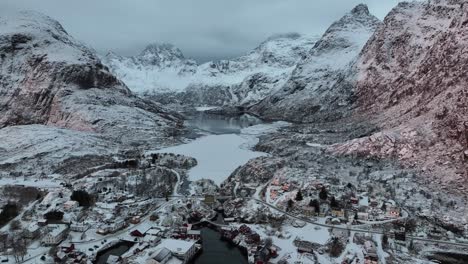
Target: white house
pixel 70 205
pixel 181 249
pixel 363 216
pixel 78 227
pixel 55 234
pixel 33 230
pixel 162 257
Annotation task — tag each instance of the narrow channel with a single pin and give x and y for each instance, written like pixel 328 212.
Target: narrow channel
pixel 217 251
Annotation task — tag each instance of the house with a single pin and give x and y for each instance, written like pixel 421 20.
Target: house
pixel 33 231
pixel 393 212
pixel 136 233
pixel 70 205
pixel 194 234
pixel 244 229
pixel 56 233
pixel 78 227
pixel 116 225
pixel 42 222
pixel 181 249
pixel 135 220
pixel 339 213
pixel 363 216
pixel 162 257
pixel 370 251
pixel 308 211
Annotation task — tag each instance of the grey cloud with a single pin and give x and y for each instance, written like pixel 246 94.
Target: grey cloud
pixel 202 29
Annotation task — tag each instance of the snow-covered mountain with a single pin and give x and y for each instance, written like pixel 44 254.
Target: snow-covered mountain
pixel 320 83
pixel 48 77
pixel 412 84
pixel 52 86
pixel 162 69
pixel 159 67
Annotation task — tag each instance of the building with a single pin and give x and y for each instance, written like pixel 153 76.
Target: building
pixel 162 257
pixel 339 213
pixel 362 216
pixel 117 225
pixel 33 231
pixel 56 233
pixel 194 234
pixel 78 227
pixel 308 211
pixel 209 199
pixel 393 212
pixel 70 205
pixel 370 251
pixel 181 249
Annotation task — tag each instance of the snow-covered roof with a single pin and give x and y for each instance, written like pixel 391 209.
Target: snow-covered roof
pixel 56 229
pixel 177 246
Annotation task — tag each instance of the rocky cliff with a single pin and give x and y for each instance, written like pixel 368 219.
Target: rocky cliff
pixel 48 77
pixel 412 83
pixel 321 84
pixel 61 108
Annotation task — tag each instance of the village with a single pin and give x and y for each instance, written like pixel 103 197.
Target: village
pixel 283 221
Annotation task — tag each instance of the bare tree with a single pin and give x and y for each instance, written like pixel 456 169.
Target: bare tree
pixel 20 248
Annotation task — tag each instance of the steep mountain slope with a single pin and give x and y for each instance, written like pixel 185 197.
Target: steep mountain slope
pixel 412 83
pixel 242 80
pixel 47 77
pixel 320 84
pixel 58 102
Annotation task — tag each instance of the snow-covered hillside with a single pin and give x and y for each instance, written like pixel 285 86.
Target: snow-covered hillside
pixel 48 77
pixel 319 82
pixel 162 69
pixel 49 80
pixel 412 83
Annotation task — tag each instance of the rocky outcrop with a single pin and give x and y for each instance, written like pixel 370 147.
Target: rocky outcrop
pixel 321 85
pixel 47 77
pixel 412 83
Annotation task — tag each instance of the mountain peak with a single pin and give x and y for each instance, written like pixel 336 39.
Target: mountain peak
pixel 360 9
pixel 288 35
pixel 162 48
pixel 161 53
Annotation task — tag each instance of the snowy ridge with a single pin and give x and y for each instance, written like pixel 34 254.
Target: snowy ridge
pixel 318 82
pixel 237 81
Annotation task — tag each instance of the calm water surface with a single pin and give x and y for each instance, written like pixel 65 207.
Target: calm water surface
pixel 216 251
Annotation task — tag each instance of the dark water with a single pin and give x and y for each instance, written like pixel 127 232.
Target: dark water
pixel 219 124
pixel 116 250
pixel 216 251
pixel 449 258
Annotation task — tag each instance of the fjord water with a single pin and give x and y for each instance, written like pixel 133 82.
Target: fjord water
pixel 220 124
pixel 222 150
pixel 216 251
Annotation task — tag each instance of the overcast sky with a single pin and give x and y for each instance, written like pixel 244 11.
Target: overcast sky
pixel 202 29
